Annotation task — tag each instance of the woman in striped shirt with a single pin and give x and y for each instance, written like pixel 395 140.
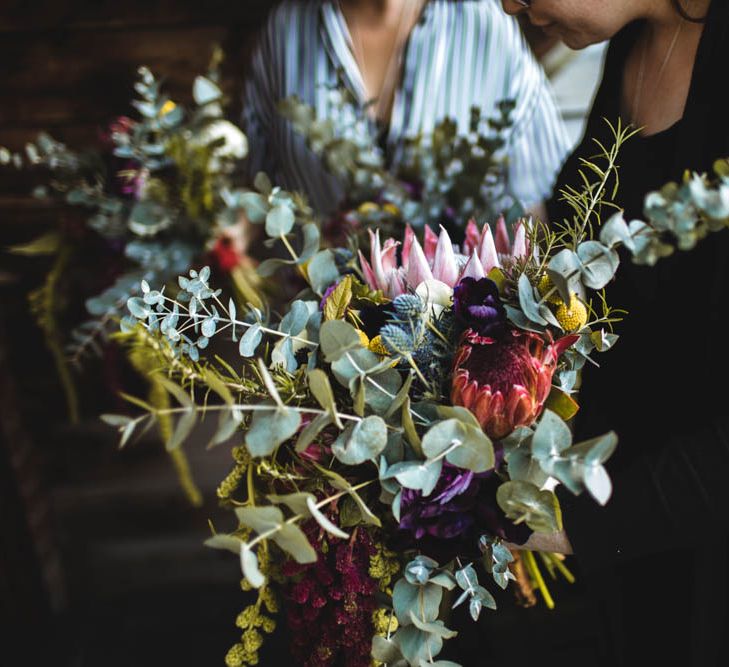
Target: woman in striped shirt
pixel 422 61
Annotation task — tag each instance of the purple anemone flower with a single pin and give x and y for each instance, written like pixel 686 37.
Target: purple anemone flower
pixel 477 306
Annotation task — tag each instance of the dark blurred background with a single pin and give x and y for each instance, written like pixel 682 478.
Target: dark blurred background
pixel 101 556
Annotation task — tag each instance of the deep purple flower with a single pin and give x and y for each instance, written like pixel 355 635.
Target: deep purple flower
pixel 477 306
pixel 461 508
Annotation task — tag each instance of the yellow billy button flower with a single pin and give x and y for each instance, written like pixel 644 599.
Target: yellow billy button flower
pixel 378 347
pixel 368 208
pixel 391 209
pixel 363 338
pixel 168 106
pixel 572 317
pixel 545 286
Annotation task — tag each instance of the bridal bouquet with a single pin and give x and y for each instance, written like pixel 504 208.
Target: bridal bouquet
pixel 406 419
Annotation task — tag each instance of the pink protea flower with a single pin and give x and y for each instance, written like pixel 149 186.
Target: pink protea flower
pixel 438 259
pixel 505 381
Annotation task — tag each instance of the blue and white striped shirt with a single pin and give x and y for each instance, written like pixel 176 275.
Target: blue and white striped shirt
pixel 461 54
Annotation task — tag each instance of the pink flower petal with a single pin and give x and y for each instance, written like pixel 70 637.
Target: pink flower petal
pixel 418 269
pixel 369 274
pixel 430 243
pixel 473 236
pixel 503 245
pixel 389 255
pixel 407 246
pixel 474 268
pixel 520 241
pixel 487 251
pixel 445 266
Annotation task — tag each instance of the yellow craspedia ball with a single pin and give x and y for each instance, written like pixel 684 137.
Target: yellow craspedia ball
pixel 378 347
pixel 545 286
pixel 368 208
pixel 392 210
pixel 363 338
pixel 168 106
pixel 572 317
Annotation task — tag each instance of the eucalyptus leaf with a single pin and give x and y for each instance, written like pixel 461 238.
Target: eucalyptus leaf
pixel 432 627
pixel 423 599
pixel 528 301
pixel 260 519
pixel 279 221
pixel 564 270
pixel 250 340
pixel 322 271
pixel 422 476
pixel 249 565
pixel 296 502
pixel 336 338
pixel 268 430
pixel 294 322
pixel 599 263
pixel 522 501
pixel 321 389
pixel 324 522
pixel 551 437
pixel 293 541
pixel 225 542
pixel 362 442
pixel 255 206
pixel 311 431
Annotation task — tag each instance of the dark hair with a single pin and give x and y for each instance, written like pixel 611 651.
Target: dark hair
pixel 678 6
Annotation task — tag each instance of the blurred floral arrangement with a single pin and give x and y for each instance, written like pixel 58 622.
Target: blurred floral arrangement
pixel 441 177
pixel 407 417
pixel 159 196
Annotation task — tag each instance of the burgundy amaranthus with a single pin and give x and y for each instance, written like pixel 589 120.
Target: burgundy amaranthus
pixel 330 602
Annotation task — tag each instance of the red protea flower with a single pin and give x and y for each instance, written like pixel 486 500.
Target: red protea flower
pixel 505 381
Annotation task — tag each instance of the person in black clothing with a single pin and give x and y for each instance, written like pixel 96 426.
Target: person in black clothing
pixel 655 558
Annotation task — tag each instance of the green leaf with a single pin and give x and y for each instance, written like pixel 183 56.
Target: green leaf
pixel 599 264
pixel 380 390
pixel 47 244
pixel 250 340
pixel 460 413
pixel 311 430
pixel 294 322
pixel 255 206
pixel 269 430
pixel 422 476
pixel 293 541
pixel 476 452
pixel 262 183
pixel 225 542
pixel 409 427
pixel 354 363
pixel 432 627
pixel 249 565
pixel 441 436
pixel 296 502
pixel 260 519
pixel 321 389
pixel 561 403
pixel 615 232
pixel 279 221
pixel 551 437
pixel 183 428
pixel 528 300
pixel 363 442
pixel 205 91
pixel 564 271
pixel 338 482
pixel 385 650
pixel 336 304
pixel 522 501
pixel 401 396
pixel 324 522
pixel 322 271
pixel 336 338
pixel 417 645
pixel 311 240
pixel 424 600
